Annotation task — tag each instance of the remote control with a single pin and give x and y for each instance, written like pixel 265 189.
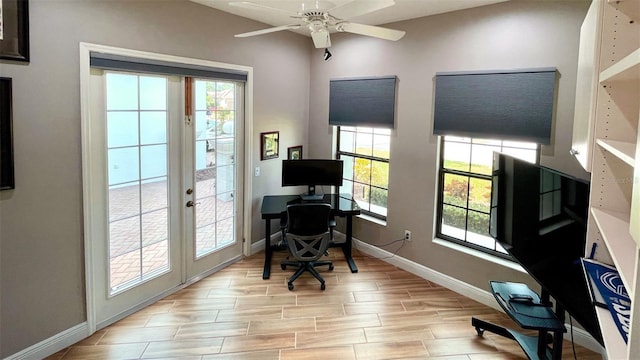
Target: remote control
pixel 521 297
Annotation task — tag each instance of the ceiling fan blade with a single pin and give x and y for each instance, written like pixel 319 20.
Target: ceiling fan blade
pixel 260 7
pixel 269 30
pixel 321 39
pixel 370 30
pixel 359 7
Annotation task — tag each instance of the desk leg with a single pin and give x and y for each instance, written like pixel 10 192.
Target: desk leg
pixel 557 336
pixel 346 248
pixel 268 251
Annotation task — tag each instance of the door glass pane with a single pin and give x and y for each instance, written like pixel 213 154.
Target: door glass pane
pixel 123 202
pixel 122 128
pixel 153 127
pixel 123 165
pixel 215 183
pixel 122 92
pixel 137 173
pixel 153 161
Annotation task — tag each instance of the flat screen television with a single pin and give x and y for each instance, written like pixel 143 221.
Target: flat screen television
pixel 539 216
pixel 312 173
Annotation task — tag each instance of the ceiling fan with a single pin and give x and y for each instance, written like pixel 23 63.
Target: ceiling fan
pixel 323 17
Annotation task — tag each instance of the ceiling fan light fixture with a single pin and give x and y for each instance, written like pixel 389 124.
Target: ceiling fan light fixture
pixel 322 18
pixel 321 39
pixel 316 25
pixel 327 55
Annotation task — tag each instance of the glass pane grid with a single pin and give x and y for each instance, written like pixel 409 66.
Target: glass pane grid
pixel 215 166
pixel 137 174
pixel 466 191
pixel 365 152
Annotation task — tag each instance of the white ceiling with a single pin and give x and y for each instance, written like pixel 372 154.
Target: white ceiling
pixel 402 10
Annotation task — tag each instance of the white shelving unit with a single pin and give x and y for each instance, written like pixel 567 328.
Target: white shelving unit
pixel 613 146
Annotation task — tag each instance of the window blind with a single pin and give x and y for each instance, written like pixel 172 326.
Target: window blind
pixel 510 105
pixel 128 63
pixel 367 101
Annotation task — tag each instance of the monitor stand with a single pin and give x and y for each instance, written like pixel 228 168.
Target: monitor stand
pixel 312 195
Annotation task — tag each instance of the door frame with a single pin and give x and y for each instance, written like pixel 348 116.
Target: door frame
pixel 90 231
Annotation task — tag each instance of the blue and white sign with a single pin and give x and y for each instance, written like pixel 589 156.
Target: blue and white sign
pixel 606 286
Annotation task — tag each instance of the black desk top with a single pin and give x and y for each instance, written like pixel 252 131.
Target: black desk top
pixel 274 205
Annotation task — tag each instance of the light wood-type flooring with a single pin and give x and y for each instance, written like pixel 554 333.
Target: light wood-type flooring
pixel 380 312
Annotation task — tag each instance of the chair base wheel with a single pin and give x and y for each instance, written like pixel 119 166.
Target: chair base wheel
pixel 283 266
pixel 322 286
pixel 331 267
pixel 290 286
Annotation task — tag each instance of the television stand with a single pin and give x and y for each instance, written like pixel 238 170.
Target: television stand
pixel 529 311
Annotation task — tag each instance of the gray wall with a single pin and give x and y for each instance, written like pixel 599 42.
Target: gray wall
pixel 41 251
pixel 41 239
pixel 511 35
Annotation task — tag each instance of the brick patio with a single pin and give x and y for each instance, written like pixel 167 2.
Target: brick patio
pixel 142 210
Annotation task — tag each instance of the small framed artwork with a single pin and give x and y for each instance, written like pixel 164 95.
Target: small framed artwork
pixel 294 152
pixel 14 30
pixel 6 136
pixel 269 145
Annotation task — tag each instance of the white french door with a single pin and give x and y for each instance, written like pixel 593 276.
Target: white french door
pixel 213 197
pixel 163 206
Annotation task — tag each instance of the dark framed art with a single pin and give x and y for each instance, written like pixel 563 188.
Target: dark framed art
pixel 294 152
pixel 6 136
pixel 269 145
pixel 14 30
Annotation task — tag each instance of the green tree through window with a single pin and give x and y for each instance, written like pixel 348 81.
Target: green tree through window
pixel 464 189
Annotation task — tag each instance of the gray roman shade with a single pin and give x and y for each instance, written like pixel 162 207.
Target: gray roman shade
pixel 127 63
pixel 367 101
pixel 510 105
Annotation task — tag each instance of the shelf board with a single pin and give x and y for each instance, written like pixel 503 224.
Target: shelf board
pixel 614 343
pixel 614 228
pixel 628 68
pixel 625 151
pixel 630 7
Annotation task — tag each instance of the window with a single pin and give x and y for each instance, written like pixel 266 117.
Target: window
pixel 464 188
pixel 365 152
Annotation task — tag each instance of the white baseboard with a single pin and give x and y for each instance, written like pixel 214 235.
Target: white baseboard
pixel 258 246
pixel 580 336
pixel 53 344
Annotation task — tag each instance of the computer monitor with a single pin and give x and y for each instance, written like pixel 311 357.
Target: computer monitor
pixel 311 173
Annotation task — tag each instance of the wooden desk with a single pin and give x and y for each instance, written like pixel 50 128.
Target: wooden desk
pixel 342 205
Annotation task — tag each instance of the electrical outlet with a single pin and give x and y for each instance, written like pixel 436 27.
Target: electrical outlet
pixel 407 235
pixel 257 171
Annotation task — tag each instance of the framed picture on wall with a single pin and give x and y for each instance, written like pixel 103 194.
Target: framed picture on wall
pixel 14 30
pixel 269 145
pixel 6 136
pixel 294 152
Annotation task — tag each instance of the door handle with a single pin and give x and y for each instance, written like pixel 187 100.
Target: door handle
pixel 191 203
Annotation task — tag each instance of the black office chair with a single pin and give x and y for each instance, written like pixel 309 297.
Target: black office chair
pixel 307 233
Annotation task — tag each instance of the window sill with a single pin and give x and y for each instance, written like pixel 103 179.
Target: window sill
pixel 372 219
pixel 479 254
